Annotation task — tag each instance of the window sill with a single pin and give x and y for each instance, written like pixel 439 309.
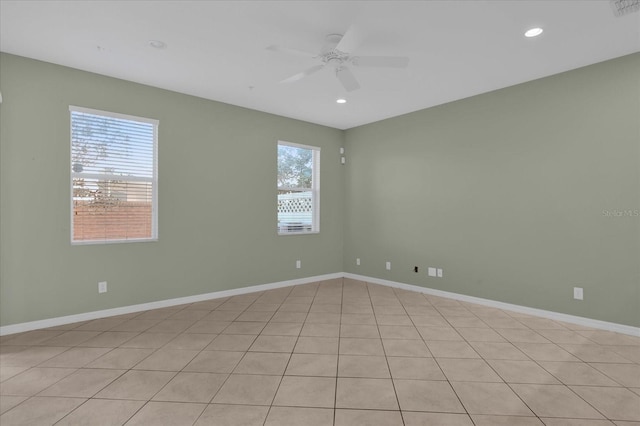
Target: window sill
pixel 284 234
pixel 94 242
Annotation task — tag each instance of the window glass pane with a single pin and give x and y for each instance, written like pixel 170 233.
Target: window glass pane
pixel 111 210
pixel 295 167
pixel 102 144
pixel 298 180
pixel 295 211
pixel 113 177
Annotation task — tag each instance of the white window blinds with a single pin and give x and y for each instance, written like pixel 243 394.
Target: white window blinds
pixel 113 177
pixel 298 188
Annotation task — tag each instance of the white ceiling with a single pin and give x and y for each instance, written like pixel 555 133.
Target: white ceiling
pixel 217 49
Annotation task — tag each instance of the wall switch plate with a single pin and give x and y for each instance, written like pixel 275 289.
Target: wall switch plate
pixel 102 287
pixel 439 273
pixel 298 264
pixel 578 293
pixel 432 272
pixel 358 261
pixel 388 266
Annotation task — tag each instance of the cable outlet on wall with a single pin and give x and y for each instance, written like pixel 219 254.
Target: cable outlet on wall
pixel 578 293
pixel 102 287
pixel 358 261
pixel 432 272
pixel 298 264
pixel 388 266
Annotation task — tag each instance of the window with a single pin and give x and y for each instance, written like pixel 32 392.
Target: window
pixel 114 172
pixel 298 189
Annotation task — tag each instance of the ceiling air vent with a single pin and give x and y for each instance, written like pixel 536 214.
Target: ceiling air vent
pixel 624 7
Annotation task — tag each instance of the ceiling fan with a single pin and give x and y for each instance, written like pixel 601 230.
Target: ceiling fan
pixel 337 53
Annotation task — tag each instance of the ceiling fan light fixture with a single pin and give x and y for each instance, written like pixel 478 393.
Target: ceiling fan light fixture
pixel 337 55
pixel 341 101
pixel 533 32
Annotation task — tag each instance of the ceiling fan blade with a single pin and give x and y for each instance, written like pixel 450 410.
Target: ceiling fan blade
pixel 289 51
pixel 303 74
pixel 381 61
pixel 347 79
pixel 350 40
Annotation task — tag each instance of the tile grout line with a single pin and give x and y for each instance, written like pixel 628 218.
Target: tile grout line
pixel 399 299
pixel 490 366
pixel 385 352
pixel 202 350
pixel 335 393
pixel 434 358
pixel 293 349
pixel 535 362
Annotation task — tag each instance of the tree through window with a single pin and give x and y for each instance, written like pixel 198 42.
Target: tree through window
pixel 113 177
pixel 298 188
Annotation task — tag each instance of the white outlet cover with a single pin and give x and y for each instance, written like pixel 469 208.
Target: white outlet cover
pixel 439 273
pixel 432 272
pixel 298 264
pixel 358 261
pixel 578 293
pixel 388 266
pixel 102 287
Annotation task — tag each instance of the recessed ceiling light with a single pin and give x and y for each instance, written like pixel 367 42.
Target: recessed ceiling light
pixel 157 44
pixel 533 32
pixel 341 101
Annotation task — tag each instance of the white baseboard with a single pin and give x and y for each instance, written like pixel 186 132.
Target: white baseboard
pixel 69 319
pixel 587 322
pixel 52 322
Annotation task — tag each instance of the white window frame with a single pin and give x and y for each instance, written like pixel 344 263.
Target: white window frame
pixel 315 189
pixel 153 179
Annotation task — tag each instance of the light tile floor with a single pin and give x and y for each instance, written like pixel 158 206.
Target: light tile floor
pixel 339 352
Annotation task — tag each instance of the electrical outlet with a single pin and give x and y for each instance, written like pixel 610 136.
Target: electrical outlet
pixel 578 293
pixel 432 272
pixel 358 261
pixel 415 269
pixel 298 264
pixel 102 287
pixel 439 273
pixel 388 266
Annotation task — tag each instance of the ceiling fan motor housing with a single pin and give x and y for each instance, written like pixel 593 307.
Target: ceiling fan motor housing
pixel 334 58
pixel 336 53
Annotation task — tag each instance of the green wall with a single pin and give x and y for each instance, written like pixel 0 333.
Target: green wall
pixel 217 198
pixel 506 191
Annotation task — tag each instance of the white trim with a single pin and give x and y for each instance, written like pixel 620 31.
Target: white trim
pixel 587 322
pixel 127 117
pixel 53 322
pixel 285 234
pixel 153 179
pixel 108 176
pixel 298 145
pixel 315 188
pixel 114 241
